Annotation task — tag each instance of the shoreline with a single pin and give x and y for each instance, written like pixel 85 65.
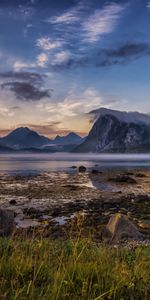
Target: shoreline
pixel 52 202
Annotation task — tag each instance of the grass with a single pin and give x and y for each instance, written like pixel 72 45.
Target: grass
pixel 73 269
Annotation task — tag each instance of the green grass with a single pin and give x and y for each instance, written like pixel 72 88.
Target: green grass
pixel 73 269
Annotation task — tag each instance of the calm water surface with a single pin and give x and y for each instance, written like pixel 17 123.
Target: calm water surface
pixel 35 163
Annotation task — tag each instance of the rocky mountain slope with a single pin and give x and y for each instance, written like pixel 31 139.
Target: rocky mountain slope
pixel 116 131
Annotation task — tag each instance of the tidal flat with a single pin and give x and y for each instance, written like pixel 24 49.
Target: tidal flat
pixel 53 202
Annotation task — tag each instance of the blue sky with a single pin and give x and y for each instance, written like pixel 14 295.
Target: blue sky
pixel 61 59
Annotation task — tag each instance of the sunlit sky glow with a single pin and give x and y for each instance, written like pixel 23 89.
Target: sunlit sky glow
pixel 61 59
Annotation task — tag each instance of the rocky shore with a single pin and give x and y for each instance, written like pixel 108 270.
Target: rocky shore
pixel 59 204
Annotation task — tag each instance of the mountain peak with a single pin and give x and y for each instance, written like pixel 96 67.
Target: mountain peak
pixel 22 129
pixel 70 138
pixel 24 137
pixel 123 116
pixel 73 134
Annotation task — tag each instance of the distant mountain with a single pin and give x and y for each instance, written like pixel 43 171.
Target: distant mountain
pixel 24 138
pixel 116 131
pixel 70 139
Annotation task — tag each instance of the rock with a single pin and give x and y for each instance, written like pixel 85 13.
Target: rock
pixel 142 198
pixel 13 202
pixel 7 223
pixel 32 212
pixel 129 173
pixel 56 212
pixel 82 169
pixel 73 167
pixel 140 175
pixel 123 179
pixel 94 171
pixel 120 228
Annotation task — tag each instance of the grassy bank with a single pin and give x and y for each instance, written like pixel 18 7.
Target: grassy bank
pixel 78 269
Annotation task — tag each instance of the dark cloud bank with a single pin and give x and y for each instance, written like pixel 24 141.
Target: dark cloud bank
pixel 108 57
pixel 25 85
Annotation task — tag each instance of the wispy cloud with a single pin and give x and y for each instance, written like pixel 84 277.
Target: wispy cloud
pixel 73 112
pixel 101 22
pixel 71 15
pixel 66 18
pixel 76 103
pixel 47 44
pixel 19 65
pixel 92 23
pixel 78 29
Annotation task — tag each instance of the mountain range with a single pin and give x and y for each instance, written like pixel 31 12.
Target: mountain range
pixel 112 131
pixel 24 138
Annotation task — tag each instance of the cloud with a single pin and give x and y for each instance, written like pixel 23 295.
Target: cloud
pixel 47 44
pixel 123 54
pixel 101 22
pixel 61 57
pixel 68 17
pixel 75 103
pixel 26 91
pixel 6 112
pixel 15 107
pixel 42 60
pixel 72 112
pixel 130 50
pixel 92 23
pixel 78 29
pixel 19 65
pixel 25 85
pixel 49 128
pixel 23 76
pixel 71 15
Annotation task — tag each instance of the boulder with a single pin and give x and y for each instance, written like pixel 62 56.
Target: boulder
pixel 7 223
pixel 13 202
pixel 82 169
pixel 120 228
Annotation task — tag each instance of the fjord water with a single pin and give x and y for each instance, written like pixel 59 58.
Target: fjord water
pixel 27 163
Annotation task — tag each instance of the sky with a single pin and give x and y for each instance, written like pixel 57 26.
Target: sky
pixel 61 59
